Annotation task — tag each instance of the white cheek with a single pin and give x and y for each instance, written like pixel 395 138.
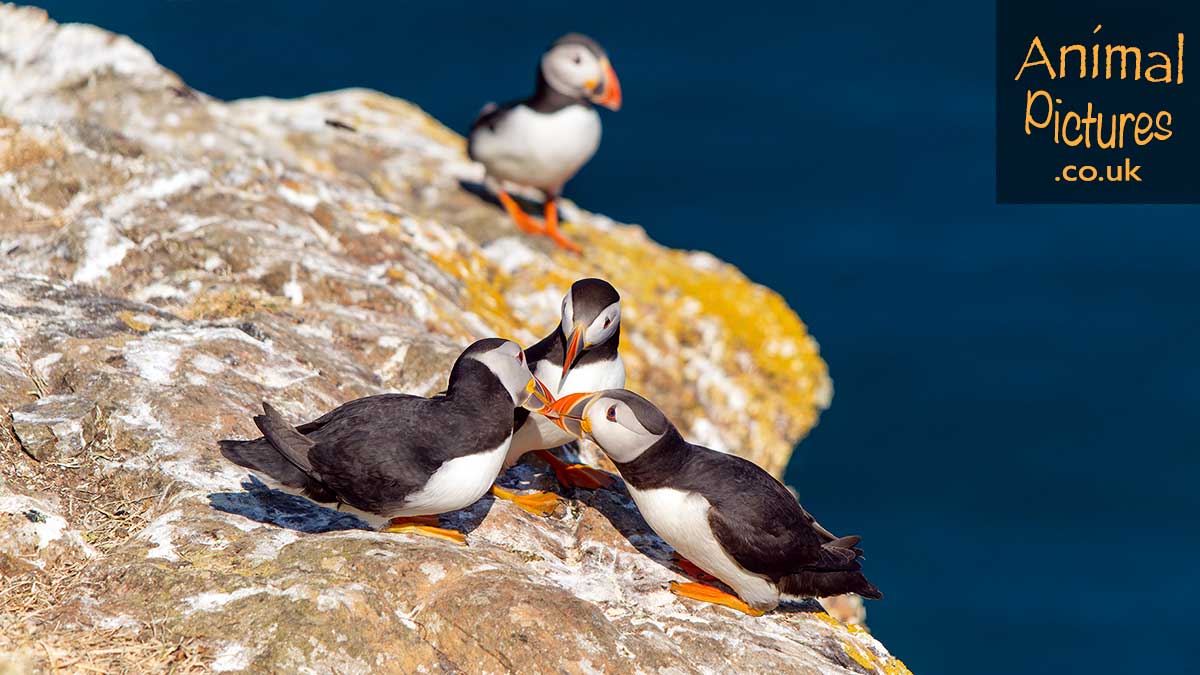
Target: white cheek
pixel 515 376
pixel 617 442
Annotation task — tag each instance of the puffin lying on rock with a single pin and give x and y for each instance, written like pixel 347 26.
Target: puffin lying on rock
pixel 723 513
pixel 543 140
pixel 579 355
pixel 397 460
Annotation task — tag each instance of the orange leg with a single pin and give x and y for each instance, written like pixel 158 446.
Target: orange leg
pixel 425 526
pixel 522 219
pixel 706 593
pixel 551 213
pixel 537 503
pixel 577 475
pixel 689 568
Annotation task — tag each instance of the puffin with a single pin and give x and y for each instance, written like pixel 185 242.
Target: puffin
pixel 543 140
pixel 724 514
pixel 398 460
pixel 579 355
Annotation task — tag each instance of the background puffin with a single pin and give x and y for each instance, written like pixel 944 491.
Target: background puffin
pixel 723 513
pixel 579 356
pixel 543 140
pixel 393 458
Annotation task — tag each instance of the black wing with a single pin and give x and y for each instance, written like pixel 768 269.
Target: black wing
pixel 374 452
pixel 549 347
pixel 357 407
pixel 757 520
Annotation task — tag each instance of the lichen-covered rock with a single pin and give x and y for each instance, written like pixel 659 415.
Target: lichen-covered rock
pixel 171 260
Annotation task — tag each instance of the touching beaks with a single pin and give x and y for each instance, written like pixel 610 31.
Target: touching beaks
pixel 539 398
pixel 569 413
pixel 609 94
pixel 573 343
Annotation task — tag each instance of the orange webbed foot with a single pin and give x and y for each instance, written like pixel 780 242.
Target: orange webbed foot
pixel 583 476
pixel 522 220
pixel 552 231
pixel 577 475
pixel 706 593
pixel 425 526
pixel 537 503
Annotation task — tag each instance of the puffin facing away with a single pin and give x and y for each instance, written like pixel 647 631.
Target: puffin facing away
pixel 395 460
pixel 543 140
pixel 578 356
pixel 721 512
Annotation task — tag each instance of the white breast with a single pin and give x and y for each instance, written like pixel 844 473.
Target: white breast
pixel 583 378
pixel 537 433
pixel 457 484
pixel 543 150
pixel 589 377
pixel 681 519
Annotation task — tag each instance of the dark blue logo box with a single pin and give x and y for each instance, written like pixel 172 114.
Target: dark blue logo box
pixel 1087 135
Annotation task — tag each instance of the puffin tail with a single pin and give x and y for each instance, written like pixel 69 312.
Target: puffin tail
pixel 261 457
pixel 835 572
pixel 817 584
pixel 279 454
pixel 288 442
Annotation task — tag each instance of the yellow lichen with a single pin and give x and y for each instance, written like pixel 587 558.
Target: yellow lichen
pixel 866 658
pixel 862 658
pixel 822 616
pixel 133 322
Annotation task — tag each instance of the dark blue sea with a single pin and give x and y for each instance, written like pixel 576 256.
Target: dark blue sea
pixel 1015 427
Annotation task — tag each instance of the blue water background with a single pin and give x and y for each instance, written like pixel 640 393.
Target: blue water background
pixel 1015 425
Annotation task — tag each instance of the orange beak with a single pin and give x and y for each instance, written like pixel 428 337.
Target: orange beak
pixel 609 95
pixel 539 398
pixel 572 348
pixel 568 413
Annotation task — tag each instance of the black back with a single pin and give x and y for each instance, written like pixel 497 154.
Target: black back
pixel 754 517
pixel 373 452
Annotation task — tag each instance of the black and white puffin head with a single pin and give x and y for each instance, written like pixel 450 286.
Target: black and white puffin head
pixel 621 422
pixel 504 360
pixel 577 67
pixel 591 316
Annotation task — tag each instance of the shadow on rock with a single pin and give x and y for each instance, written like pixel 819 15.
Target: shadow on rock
pixel 480 190
pixel 273 507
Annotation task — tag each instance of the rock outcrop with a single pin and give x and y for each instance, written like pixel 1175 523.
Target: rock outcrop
pixel 169 260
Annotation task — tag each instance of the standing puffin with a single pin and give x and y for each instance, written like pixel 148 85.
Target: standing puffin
pixel 395 460
pixel 543 140
pixel 721 512
pixel 579 356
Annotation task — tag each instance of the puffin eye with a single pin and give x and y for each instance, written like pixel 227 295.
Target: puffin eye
pixel 578 60
pixel 607 322
pixel 612 413
pixel 520 357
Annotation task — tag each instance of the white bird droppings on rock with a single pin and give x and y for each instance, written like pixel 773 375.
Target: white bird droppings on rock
pixel 103 248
